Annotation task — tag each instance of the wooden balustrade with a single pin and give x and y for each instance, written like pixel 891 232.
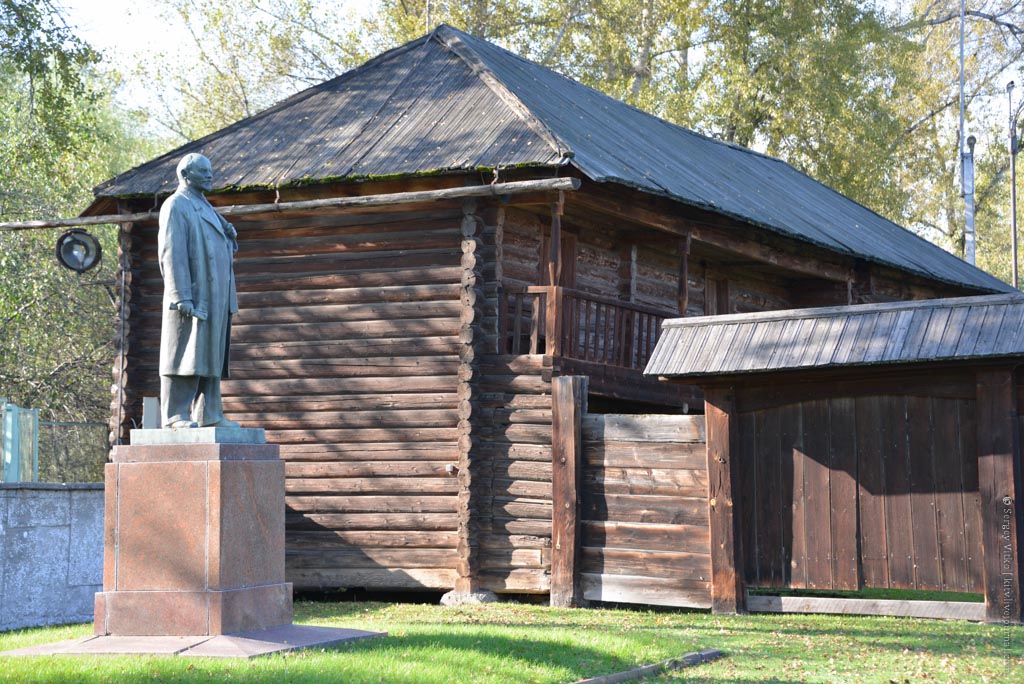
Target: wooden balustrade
pixel 577 325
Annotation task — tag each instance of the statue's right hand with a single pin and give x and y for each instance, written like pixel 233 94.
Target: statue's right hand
pixel 185 308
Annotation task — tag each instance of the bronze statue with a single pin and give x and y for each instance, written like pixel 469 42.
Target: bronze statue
pixel 196 246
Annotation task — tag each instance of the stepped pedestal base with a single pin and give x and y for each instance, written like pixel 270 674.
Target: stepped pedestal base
pixel 194 535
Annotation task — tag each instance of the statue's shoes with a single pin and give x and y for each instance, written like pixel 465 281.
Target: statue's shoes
pixel 223 423
pixel 179 424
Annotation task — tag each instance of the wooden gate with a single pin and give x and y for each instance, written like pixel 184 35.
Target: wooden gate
pixel 873 491
pixel 642 532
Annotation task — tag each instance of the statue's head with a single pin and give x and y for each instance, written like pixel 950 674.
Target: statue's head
pixel 194 171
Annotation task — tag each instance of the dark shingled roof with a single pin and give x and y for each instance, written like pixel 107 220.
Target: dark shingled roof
pixel 449 102
pixel 862 335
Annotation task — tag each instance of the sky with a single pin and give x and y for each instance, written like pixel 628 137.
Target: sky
pixel 121 28
pixel 128 31
pixel 125 31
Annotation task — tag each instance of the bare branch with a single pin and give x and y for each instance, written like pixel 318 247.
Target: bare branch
pixel 970 97
pixel 995 18
pixel 571 16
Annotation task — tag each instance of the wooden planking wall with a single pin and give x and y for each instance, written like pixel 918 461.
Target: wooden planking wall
pixel 604 259
pixel 643 506
pixel 515 444
pixel 346 350
pixel 877 491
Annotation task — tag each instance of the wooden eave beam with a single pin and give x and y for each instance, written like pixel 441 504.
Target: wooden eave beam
pixel 357 202
pixel 720 236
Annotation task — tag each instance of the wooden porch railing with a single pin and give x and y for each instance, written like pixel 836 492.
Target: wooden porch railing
pixel 577 325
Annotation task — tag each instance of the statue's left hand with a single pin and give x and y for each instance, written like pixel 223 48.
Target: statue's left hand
pixel 230 230
pixel 185 308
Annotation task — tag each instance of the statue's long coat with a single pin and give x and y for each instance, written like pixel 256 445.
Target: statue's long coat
pixel 195 260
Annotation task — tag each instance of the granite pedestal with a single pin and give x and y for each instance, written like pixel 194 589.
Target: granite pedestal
pixel 194 535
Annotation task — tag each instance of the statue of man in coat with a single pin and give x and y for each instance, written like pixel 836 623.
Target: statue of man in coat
pixel 196 247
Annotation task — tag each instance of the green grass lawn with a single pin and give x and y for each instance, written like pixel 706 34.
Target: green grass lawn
pixel 526 643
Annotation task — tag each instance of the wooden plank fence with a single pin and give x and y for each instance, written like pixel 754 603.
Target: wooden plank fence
pixel 877 491
pixel 825 494
pixel 642 517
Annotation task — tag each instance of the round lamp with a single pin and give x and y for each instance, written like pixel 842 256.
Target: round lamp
pixel 78 250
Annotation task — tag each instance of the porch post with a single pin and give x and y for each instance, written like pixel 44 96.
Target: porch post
pixel 568 396
pixel 728 589
pixel 999 486
pixel 554 315
pixel 683 290
pixel 555 248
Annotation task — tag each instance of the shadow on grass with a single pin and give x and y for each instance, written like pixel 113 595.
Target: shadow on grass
pixel 427 658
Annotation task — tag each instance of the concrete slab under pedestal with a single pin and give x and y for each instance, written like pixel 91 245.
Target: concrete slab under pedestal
pixel 203 435
pixel 240 645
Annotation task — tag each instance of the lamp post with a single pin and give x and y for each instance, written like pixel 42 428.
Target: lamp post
pixel 1014 148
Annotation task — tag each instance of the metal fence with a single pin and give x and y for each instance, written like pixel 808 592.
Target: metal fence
pixel 72 452
pixel 36 450
pixel 18 441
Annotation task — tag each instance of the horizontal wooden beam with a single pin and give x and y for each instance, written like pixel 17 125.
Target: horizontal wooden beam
pixel 388 199
pixel 936 610
pixel 720 236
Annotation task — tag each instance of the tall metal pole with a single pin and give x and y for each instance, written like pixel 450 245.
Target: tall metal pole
pixel 1014 115
pixel 969 242
pixel 966 157
pixel 963 12
pixel 1013 207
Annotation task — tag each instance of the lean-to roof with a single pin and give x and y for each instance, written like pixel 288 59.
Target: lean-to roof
pixel 924 331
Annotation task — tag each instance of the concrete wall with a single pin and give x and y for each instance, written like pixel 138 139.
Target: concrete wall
pixel 51 553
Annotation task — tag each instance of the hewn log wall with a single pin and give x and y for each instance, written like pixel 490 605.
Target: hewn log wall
pixel 126 403
pixel 473 463
pixel 515 441
pixel 347 350
pixel 607 264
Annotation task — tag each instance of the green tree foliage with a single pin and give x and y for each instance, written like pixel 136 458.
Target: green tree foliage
pixel 994 54
pixel 59 136
pixel 860 94
pixel 821 85
pixel 404 20
pixel 36 41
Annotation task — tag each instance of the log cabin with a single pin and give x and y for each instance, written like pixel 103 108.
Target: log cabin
pixel 454 265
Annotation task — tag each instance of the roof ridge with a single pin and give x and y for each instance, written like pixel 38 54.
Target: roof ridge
pixel 451 39
pixel 710 138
